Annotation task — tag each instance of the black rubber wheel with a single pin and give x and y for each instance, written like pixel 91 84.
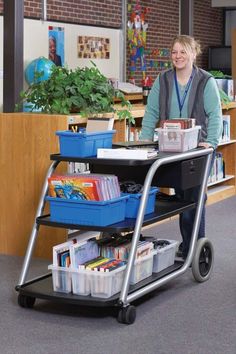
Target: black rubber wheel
pixel 202 264
pixel 127 315
pixel 26 301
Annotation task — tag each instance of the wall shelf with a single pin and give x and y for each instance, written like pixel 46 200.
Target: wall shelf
pixel 232 141
pixel 227 178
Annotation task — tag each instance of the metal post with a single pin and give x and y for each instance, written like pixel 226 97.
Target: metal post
pixel 13 63
pixel 44 10
pixel 34 233
pixel 124 297
pixel 186 17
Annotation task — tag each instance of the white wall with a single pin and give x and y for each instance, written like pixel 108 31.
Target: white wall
pixel 36 45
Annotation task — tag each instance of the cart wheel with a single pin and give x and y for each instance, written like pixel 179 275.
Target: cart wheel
pixel 26 301
pixel 203 259
pixel 127 315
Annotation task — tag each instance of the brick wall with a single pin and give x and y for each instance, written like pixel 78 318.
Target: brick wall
pixel 106 13
pixel 208 27
pixel 163 25
pixel 162 19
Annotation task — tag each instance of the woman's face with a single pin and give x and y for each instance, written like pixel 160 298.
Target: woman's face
pixel 182 58
pixel 52 46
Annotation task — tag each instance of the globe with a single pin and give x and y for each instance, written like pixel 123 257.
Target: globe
pixel 40 65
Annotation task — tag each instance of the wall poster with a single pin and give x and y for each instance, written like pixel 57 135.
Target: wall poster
pixel 93 47
pixel 56 45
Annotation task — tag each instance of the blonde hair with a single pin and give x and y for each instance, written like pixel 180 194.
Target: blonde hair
pixel 188 43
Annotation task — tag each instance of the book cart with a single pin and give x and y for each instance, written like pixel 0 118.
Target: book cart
pixel 183 170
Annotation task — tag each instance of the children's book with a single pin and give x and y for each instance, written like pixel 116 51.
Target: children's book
pixel 81 253
pixel 95 263
pixel 81 187
pixel 84 186
pixel 62 248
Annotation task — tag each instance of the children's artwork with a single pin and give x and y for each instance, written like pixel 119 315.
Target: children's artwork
pixel 158 59
pixel 93 47
pixel 56 45
pixel 137 29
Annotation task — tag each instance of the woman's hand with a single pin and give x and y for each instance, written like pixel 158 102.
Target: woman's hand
pixel 205 145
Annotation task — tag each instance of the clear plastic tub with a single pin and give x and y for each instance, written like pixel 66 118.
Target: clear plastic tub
pixel 61 279
pixel 106 284
pixel 80 282
pixel 142 268
pixel 165 256
pixel 178 140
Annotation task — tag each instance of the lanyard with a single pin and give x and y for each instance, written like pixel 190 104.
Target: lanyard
pixel 181 101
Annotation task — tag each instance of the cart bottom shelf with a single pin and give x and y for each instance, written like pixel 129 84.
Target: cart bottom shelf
pixel 41 288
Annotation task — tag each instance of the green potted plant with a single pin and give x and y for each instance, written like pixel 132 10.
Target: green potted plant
pixel 82 90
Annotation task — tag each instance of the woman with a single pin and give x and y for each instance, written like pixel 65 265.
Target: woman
pixel 186 91
pixel 53 56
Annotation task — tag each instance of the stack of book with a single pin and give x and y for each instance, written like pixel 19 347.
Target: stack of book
pixel 184 123
pixel 120 248
pixel 74 252
pixel 84 187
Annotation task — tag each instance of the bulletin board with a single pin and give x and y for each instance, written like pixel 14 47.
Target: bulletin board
pixel 36 45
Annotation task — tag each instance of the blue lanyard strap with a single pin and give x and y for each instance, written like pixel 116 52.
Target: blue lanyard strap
pixel 181 101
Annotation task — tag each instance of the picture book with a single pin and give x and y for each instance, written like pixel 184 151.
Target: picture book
pixel 81 253
pixel 59 250
pixel 84 186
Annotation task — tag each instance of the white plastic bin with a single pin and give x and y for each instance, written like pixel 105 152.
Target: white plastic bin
pixel 178 140
pixel 142 268
pixel 80 282
pixel 106 284
pixel 164 256
pixel 61 279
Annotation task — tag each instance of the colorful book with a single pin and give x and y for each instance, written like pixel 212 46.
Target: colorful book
pixel 81 253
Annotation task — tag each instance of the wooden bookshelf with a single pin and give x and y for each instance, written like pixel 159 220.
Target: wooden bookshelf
pixel 137 112
pixel 227 187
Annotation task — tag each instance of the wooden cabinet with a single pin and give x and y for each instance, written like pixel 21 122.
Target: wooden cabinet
pixel 26 142
pixel 27 139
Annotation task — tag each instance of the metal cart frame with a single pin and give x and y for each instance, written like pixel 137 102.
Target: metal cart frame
pixel 27 290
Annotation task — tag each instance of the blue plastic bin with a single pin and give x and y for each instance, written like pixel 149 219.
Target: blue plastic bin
pixel 84 212
pixel 133 203
pixel 84 144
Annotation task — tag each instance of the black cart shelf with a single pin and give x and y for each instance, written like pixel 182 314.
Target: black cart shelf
pixel 161 169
